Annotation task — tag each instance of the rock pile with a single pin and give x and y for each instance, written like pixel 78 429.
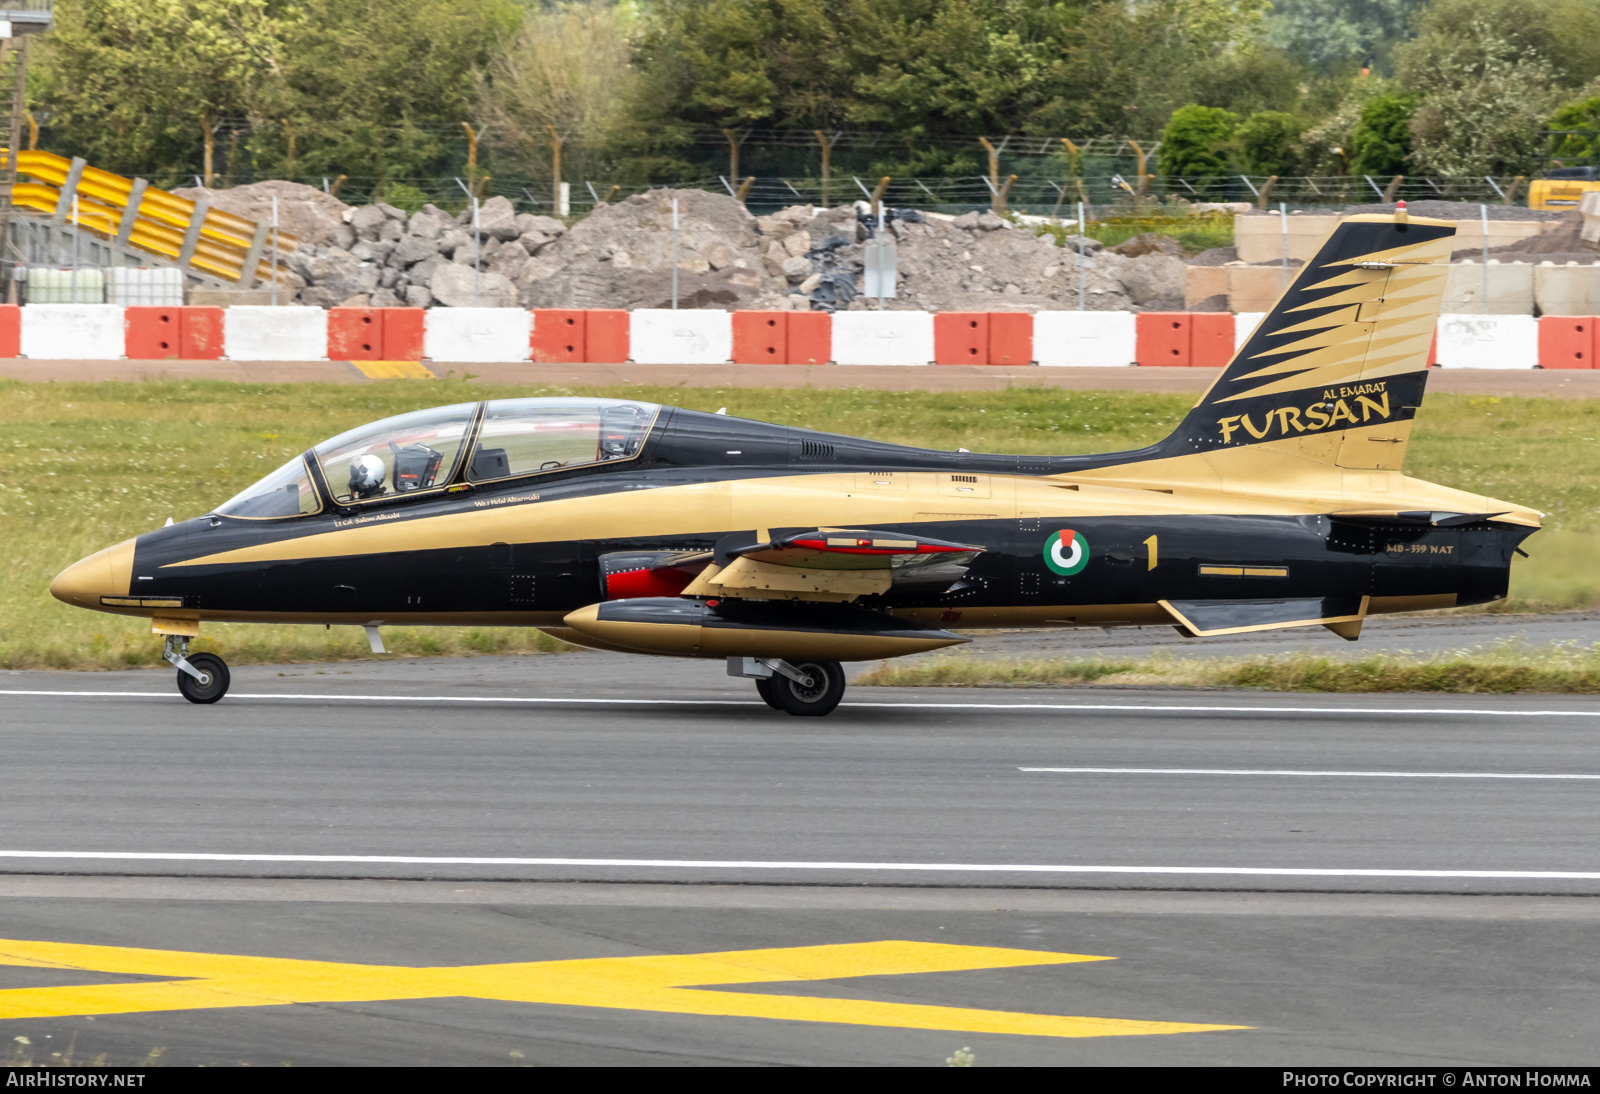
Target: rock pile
pixel 304 212
pixel 621 256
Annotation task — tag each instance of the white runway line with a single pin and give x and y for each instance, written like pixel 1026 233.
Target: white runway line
pixel 718 864
pixel 1136 708
pixel 1309 774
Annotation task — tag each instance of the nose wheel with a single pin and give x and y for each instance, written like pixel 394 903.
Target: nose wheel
pixel 202 678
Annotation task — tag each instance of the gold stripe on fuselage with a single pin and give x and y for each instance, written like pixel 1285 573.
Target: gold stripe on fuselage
pixel 1303 486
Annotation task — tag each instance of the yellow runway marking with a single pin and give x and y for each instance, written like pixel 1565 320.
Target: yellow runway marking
pixel 394 370
pixel 663 983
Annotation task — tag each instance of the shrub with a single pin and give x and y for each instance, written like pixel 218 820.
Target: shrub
pixel 1197 142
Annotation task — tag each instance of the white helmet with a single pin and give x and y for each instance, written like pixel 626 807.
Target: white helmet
pixel 366 475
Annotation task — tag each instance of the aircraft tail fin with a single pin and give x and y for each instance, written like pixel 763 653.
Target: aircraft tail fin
pixel 1336 370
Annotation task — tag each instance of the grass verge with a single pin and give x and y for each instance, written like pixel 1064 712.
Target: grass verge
pixel 86 465
pixel 1501 669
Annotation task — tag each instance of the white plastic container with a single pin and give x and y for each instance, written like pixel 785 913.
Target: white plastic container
pixel 48 285
pixel 145 286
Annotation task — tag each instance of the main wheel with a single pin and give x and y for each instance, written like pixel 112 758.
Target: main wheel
pixel 764 689
pixel 809 700
pixel 213 683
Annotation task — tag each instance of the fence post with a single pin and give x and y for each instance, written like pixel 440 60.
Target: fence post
pixel 674 254
pixel 1393 187
pixel 1283 218
pixel 877 195
pixel 1001 195
pixel 827 153
pixel 555 167
pixel 1144 179
pixel 1483 298
pixel 994 165
pixel 130 212
pixel 274 250
pixel 1266 191
pixel 1083 231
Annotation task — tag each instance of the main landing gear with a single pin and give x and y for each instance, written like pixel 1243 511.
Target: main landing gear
pixel 806 689
pixel 202 678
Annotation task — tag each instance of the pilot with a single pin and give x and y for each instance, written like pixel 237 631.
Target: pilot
pixel 366 476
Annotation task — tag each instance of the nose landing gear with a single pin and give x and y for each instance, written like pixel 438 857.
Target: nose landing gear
pixel 202 678
pixel 805 689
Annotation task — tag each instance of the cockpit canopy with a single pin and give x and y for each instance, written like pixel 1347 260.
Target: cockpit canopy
pixel 423 451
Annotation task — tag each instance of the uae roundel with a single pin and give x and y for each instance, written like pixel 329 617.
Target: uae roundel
pixel 1066 552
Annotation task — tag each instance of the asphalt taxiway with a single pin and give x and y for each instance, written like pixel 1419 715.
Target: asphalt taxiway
pixel 589 860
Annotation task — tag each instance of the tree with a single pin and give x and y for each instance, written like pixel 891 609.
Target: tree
pixel 1484 73
pixel 1380 141
pixel 130 83
pixel 1332 34
pixel 1269 144
pixel 570 68
pixel 378 89
pixel 1197 142
pixel 361 87
pixel 1248 81
pixel 1583 115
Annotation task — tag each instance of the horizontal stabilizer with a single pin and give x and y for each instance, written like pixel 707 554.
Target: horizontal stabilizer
pixel 1205 618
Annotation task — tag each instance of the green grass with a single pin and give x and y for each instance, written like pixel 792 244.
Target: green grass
pixel 1194 233
pixel 1504 668
pixel 84 465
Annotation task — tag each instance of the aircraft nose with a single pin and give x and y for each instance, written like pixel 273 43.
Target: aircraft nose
pixel 104 573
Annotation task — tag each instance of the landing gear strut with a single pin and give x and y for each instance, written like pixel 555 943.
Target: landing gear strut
pixel 202 678
pixel 805 689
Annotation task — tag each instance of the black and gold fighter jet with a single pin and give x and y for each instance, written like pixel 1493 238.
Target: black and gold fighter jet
pixel 622 525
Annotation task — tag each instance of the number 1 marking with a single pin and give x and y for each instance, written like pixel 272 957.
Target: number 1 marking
pixel 1150 547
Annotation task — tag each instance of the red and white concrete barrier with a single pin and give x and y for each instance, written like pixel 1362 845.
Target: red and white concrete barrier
pixel 705 337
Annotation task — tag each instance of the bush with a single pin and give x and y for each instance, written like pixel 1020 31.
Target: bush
pixel 1581 113
pixel 1269 144
pixel 1381 139
pixel 401 195
pixel 1197 142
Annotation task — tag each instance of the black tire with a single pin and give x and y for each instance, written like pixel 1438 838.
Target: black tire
pixel 214 687
pixel 813 701
pixel 764 689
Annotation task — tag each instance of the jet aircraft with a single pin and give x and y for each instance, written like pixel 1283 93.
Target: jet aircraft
pixel 620 525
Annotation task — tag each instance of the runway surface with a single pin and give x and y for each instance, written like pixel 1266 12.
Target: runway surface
pixel 1355 879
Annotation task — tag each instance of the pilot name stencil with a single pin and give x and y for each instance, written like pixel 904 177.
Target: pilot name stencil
pixel 366 518
pixel 1326 413
pixel 483 503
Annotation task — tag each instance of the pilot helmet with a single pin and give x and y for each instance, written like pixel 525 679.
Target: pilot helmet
pixel 366 474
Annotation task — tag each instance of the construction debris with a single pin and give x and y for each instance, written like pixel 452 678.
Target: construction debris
pixel 621 256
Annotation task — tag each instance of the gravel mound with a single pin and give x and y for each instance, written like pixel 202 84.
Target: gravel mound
pixel 304 212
